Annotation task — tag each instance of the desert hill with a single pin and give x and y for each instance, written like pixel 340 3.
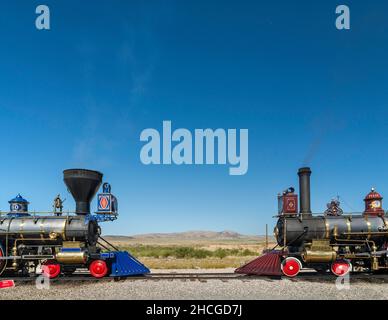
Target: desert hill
pixel 195 235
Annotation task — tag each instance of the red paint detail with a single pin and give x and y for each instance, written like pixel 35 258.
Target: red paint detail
pixel 104 203
pixel 266 265
pixel 288 204
pixel 7 284
pixel 340 268
pixel 98 268
pixel 291 267
pixel 51 270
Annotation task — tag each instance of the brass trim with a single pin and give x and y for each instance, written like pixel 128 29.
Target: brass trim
pixel 64 230
pixel 348 223
pixel 21 229
pixel 311 256
pixel 319 251
pixel 369 227
pixel 327 228
pixel 71 257
pixel 276 232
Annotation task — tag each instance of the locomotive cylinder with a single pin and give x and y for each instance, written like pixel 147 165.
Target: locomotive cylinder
pixel 311 256
pixel 71 257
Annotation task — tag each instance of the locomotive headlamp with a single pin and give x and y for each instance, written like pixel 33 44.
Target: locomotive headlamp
pixel 373 204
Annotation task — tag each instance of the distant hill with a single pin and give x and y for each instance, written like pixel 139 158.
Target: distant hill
pixel 187 235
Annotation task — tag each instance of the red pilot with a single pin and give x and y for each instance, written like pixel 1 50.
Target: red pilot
pixel 373 204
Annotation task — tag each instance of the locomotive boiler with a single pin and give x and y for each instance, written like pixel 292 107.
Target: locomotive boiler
pixel 57 243
pixel 331 241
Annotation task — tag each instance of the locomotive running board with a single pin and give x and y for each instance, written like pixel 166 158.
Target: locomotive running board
pixel 124 264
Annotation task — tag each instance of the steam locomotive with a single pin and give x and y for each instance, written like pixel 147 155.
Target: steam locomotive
pixel 332 241
pixel 56 243
pixel 329 242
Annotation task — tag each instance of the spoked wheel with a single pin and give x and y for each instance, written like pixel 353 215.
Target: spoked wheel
pixel 291 267
pixel 98 269
pixel 51 270
pixel 341 268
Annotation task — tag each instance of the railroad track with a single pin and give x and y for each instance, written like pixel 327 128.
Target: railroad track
pixel 303 276
pixel 153 277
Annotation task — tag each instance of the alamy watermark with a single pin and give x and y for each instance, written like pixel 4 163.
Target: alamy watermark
pixel 343 282
pixel 203 146
pixel 42 22
pixel 343 19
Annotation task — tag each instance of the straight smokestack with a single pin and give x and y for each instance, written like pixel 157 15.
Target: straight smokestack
pixel 304 191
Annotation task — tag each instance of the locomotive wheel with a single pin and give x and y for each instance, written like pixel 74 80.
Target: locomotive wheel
pixel 98 268
pixel 291 267
pixel 51 270
pixel 341 268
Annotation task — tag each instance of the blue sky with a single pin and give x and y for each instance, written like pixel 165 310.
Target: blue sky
pixel 80 94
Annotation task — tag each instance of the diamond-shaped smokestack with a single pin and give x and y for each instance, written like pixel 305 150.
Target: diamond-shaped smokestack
pixel 83 185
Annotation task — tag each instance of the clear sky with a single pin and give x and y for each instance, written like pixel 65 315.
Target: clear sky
pixel 80 94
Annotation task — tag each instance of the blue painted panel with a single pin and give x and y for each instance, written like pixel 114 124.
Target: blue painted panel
pixel 124 264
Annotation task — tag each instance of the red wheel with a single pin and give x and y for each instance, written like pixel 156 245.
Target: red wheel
pixel 341 267
pixel 291 266
pixel 98 268
pixel 51 270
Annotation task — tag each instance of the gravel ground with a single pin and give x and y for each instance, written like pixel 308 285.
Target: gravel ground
pixel 211 289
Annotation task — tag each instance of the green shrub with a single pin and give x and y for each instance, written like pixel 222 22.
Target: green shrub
pixel 179 252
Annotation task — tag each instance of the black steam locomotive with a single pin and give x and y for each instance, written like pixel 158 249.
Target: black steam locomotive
pixel 56 243
pixel 333 241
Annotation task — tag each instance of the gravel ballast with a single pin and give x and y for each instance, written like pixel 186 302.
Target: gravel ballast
pixel 187 289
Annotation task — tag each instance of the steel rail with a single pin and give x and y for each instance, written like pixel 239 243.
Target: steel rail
pixel 304 276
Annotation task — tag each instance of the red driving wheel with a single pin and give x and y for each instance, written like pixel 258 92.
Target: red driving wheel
pixel 291 267
pixel 341 267
pixel 98 268
pixel 51 270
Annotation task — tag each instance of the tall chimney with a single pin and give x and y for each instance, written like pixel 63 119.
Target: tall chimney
pixel 304 191
pixel 83 185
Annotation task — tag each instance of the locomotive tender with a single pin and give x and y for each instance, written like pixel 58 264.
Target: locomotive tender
pixel 56 243
pixel 333 240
